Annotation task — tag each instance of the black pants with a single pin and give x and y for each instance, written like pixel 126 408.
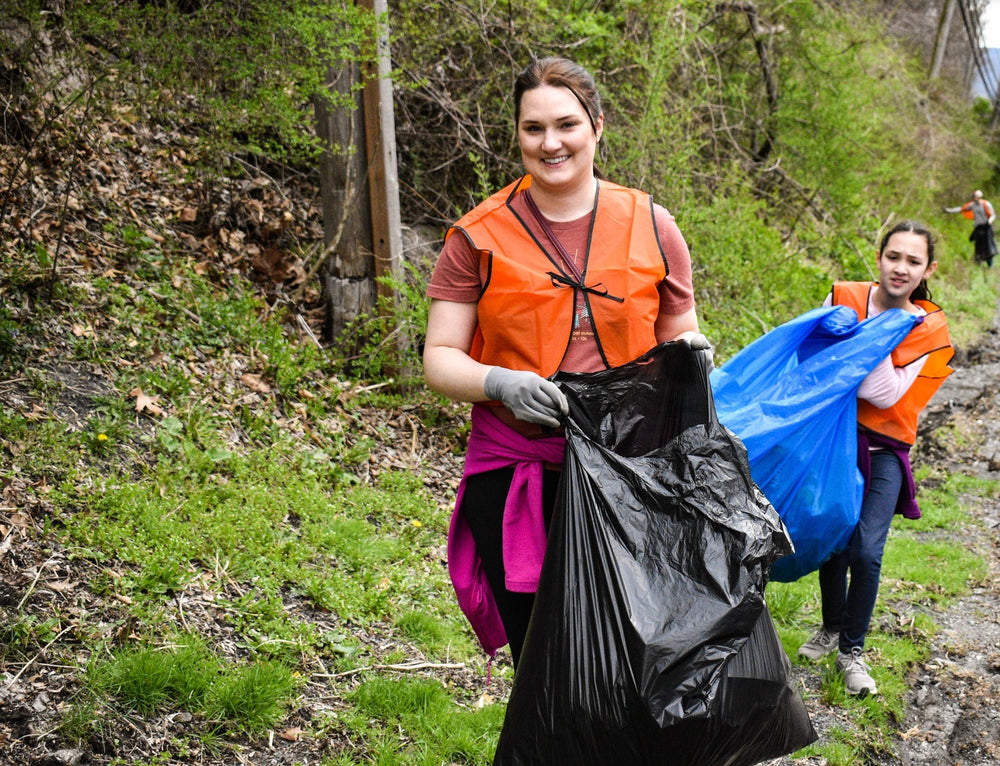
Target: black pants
pixel 985 245
pixel 483 504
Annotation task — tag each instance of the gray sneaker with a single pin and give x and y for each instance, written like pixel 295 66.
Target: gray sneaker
pixel 857 680
pixel 823 643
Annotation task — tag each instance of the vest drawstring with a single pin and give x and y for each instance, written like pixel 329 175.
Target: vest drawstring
pixel 599 289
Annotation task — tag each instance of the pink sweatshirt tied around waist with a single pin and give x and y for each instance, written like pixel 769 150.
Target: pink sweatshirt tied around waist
pixel 493 445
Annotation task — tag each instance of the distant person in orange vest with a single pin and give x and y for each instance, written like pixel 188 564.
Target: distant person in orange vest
pixel 980 212
pixel 559 271
pixel 890 400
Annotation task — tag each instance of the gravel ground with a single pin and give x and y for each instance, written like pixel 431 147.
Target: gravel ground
pixel 953 717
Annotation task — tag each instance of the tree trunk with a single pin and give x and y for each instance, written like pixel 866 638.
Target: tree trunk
pixel 383 177
pixel 349 278
pixel 941 40
pixel 360 193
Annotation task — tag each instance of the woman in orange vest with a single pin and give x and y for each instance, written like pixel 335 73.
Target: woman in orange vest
pixel 980 212
pixel 559 271
pixel 890 400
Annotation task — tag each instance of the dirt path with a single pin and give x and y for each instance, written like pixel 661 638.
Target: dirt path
pixel 953 715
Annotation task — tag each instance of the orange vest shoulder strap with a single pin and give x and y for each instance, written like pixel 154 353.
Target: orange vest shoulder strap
pixel 929 337
pixel 853 295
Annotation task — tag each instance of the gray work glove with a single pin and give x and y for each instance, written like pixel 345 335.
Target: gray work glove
pixel 699 342
pixel 529 396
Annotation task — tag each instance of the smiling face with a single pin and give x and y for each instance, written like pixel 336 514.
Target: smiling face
pixel 557 140
pixel 903 262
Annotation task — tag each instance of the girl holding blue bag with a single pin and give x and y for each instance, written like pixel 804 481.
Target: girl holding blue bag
pixel 890 400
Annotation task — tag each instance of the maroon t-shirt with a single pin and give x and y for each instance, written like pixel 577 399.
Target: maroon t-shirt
pixel 459 276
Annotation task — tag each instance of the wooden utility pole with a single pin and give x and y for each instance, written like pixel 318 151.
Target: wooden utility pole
pixel 359 187
pixel 380 138
pixel 941 39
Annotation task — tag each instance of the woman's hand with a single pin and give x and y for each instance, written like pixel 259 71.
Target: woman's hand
pixel 699 342
pixel 529 396
pixel 696 341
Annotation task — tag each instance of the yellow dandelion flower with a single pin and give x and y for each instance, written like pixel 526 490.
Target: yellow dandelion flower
pixel 416 523
pixel 102 437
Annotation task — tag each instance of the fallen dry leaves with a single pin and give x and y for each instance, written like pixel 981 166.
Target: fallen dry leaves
pixel 146 403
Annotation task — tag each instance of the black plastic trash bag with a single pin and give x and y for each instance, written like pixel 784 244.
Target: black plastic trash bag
pixel 650 642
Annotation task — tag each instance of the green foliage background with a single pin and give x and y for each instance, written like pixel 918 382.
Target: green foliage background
pixel 776 198
pixel 782 139
pixel 245 73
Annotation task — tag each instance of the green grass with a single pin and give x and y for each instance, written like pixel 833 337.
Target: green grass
pixel 253 696
pixel 214 499
pixel 188 676
pixel 25 635
pixel 255 507
pixel 416 721
pixel 360 551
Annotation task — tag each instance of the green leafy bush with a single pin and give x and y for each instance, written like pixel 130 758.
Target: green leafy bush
pixel 246 73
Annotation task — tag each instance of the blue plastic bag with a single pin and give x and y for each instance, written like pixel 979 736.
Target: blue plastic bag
pixel 791 397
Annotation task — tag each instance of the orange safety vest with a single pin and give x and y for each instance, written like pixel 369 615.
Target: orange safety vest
pixel 968 212
pixel 930 337
pixel 526 310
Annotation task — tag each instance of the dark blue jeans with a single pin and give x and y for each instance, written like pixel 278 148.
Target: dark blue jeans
pixel 848 608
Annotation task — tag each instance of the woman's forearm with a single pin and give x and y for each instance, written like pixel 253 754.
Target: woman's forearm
pixel 452 372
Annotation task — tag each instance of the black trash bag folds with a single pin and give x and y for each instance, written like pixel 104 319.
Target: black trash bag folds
pixel 650 640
